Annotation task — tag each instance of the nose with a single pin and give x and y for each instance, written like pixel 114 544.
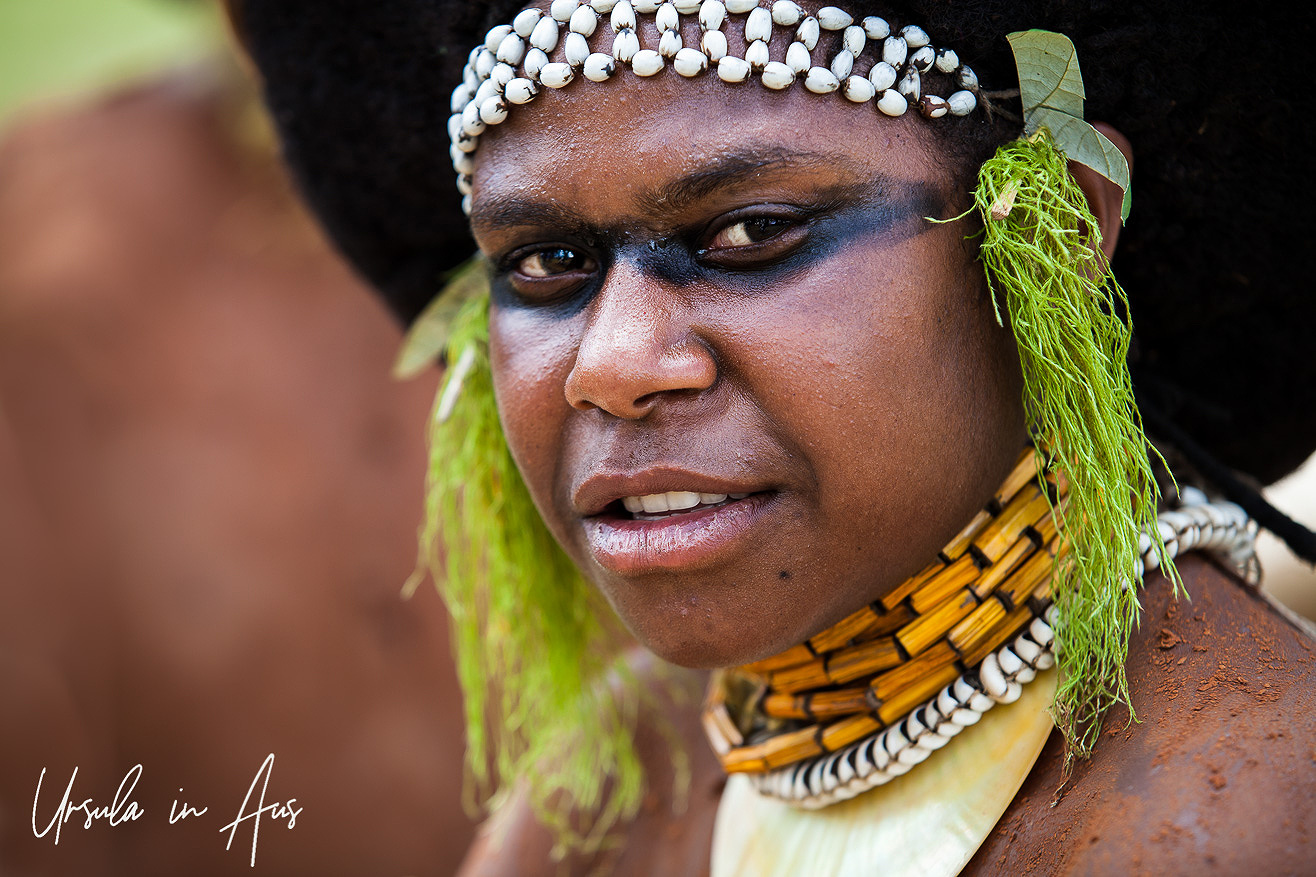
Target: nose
pixel 638 348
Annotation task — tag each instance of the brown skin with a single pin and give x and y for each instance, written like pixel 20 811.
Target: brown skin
pixel 1218 777
pixel 634 330
pixel 853 331
pixel 209 490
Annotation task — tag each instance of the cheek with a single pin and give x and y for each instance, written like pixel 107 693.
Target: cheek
pixel 900 367
pixel 530 359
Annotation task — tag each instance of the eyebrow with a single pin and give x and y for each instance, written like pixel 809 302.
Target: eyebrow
pixel 718 174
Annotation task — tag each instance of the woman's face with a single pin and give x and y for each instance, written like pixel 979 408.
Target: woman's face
pixel 750 386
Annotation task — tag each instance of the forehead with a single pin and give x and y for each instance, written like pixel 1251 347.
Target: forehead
pixel 615 145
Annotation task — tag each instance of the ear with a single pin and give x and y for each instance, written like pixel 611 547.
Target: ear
pixel 1104 197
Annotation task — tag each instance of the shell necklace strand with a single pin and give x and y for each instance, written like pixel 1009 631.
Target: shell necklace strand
pixel 866 700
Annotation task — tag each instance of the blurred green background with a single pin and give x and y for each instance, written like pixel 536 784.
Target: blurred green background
pixel 60 49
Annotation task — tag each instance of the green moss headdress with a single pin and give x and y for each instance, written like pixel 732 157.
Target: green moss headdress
pixel 538 644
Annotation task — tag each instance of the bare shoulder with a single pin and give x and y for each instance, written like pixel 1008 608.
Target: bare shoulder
pixel 1220 771
pixel 671 835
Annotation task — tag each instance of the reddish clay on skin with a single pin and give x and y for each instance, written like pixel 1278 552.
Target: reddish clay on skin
pixel 1218 777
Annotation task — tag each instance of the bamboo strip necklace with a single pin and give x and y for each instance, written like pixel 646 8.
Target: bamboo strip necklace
pixel 865 700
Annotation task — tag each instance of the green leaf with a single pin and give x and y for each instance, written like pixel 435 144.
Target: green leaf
pixel 1051 90
pixel 1048 72
pixel 428 335
pixel 1084 144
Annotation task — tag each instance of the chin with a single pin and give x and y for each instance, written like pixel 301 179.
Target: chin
pixel 703 644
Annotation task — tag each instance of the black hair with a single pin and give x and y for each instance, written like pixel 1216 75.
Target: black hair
pixel 359 90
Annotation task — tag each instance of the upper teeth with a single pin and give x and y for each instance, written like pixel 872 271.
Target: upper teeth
pixel 674 501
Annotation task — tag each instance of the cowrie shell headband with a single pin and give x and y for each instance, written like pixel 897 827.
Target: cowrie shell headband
pixel 514 62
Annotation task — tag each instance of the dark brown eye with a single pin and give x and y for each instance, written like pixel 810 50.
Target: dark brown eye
pixel 749 231
pixel 554 261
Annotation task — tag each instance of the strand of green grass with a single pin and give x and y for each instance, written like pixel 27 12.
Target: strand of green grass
pixel 1070 318
pixel 549 704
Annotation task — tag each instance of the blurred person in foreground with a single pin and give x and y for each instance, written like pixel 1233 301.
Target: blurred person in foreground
pixel 208 505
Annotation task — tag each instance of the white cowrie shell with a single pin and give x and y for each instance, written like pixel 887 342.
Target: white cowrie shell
pixel 561 10
pixel 759 25
pixel 461 96
pixel 454 131
pixel 711 14
pixel 787 13
pixel 733 69
pixel 686 7
pixel 883 76
pixel 603 7
pixel 466 142
pixel 584 21
pixel 933 107
pixel 820 80
pixel 521 90
pixel 647 62
pixel 808 33
pixel 493 111
pixel 1026 649
pixel 834 18
pixel 967 79
pixel 470 78
pixel 502 74
pixel 913 755
pixel 739 7
pixel 623 17
pixel 842 64
pixel 923 59
pixel 535 61
pixel 624 46
pixel 1009 661
pixel 577 49
pixel 947 60
pixel 910 85
pixel 946 703
pixel 494 38
pixel 464 184
pixel 472 124
pixel 992 677
pixel 545 34
pixel 797 58
pixel 777 75
pixel 556 74
pixel 915 36
pixel 487 89
pixel 853 39
pixel 525 21
pixel 511 50
pixel 648 7
pixel 895 51
pixel 669 43
pixel 714 44
pixel 1041 632
pixel 892 103
pixel 757 55
pixel 876 28
pixel 484 64
pixel 690 62
pixel 859 89
pixel 462 162
pixel 666 18
pixel 599 67
pixel 962 103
